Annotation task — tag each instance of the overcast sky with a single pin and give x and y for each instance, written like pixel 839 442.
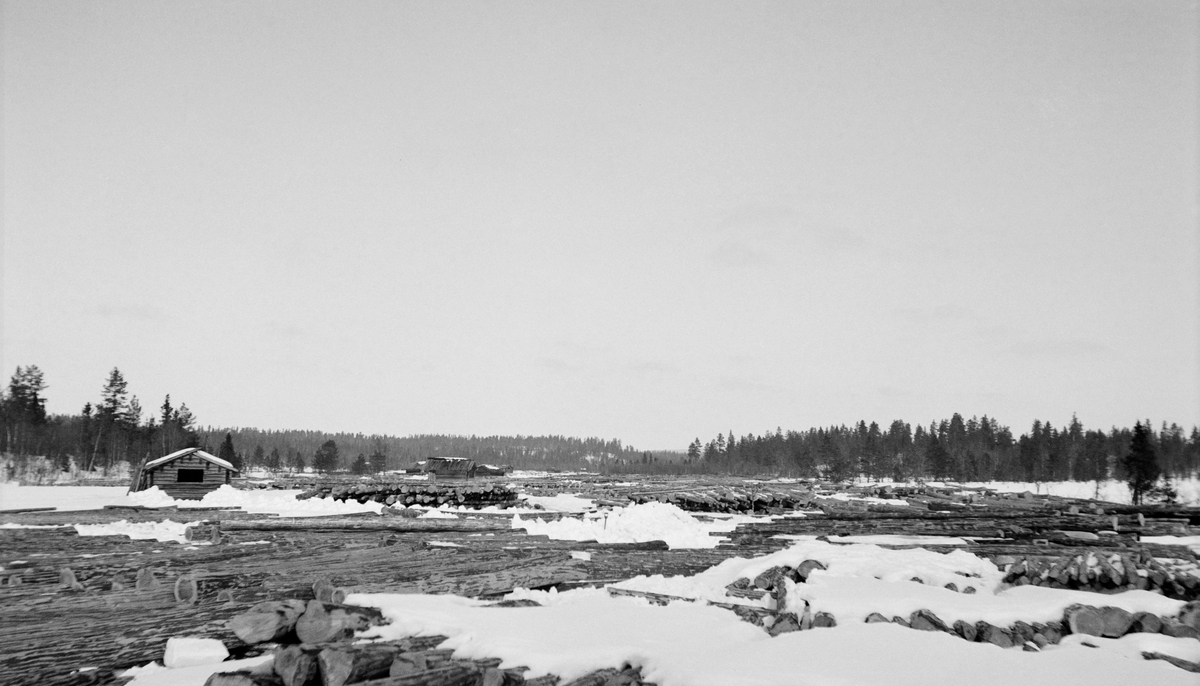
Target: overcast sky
pixel 645 221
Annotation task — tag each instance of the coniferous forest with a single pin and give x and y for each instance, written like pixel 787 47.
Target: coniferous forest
pixel 115 429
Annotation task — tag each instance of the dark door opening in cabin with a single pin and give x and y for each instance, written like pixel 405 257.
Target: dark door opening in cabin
pixel 190 476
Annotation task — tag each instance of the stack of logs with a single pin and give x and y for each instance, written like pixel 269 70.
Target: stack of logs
pixel 727 499
pixel 315 647
pixel 427 494
pixel 1101 572
pixel 1108 622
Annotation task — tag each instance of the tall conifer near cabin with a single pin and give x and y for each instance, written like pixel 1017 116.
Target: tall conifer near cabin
pixel 1141 463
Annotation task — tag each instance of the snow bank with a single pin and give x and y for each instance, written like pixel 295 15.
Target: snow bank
pixel 266 501
pixel 184 651
pixel 686 644
pixel 436 514
pixel 15 497
pixel 282 503
pixel 851 599
pixel 633 524
pixel 851 561
pixel 166 530
pixel 1132 645
pixel 1112 491
pixel 1192 542
pixel 155 674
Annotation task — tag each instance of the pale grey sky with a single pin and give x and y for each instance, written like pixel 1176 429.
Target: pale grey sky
pixel 646 221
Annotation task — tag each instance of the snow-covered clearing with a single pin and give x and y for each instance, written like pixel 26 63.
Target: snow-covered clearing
pixel 635 524
pixel 686 644
pixel 1112 490
pixel 263 501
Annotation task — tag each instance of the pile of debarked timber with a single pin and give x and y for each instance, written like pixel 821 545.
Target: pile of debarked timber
pixel 1044 547
pixel 313 644
pixel 430 494
pixel 1093 620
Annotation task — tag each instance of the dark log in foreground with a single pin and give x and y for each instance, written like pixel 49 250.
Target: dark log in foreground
pixel 296 665
pixel 1177 661
pixel 362 524
pixel 449 674
pixel 351 664
pixel 269 621
pixel 324 622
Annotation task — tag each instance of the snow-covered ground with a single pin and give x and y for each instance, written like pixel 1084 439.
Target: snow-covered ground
pixel 1112 491
pixel 688 644
pixel 74 498
pixel 694 644
pixel 633 524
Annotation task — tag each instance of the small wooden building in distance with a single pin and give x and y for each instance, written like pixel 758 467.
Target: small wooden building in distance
pixel 187 473
pixel 449 468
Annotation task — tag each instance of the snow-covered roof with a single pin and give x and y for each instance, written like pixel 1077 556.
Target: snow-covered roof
pixel 188 451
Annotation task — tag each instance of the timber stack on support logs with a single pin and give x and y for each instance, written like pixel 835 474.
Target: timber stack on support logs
pixel 470 495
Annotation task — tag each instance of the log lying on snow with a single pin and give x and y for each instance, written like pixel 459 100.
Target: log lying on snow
pixel 474 495
pixel 366 524
pixel 1177 661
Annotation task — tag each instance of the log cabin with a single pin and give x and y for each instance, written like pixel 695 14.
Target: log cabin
pixel 449 468
pixel 189 473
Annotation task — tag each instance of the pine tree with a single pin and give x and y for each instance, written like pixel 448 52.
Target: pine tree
pixel 326 458
pixel 359 466
pixel 1141 462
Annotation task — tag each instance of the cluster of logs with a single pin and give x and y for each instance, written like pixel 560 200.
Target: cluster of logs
pixel 727 499
pixel 427 494
pixel 316 648
pixel 1101 572
pixel 1108 622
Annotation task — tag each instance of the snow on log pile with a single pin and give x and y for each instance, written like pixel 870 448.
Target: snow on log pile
pixel 314 642
pixel 1106 573
pixel 426 494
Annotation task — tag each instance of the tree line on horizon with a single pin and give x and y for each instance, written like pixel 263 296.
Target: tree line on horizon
pixel 113 430
pixel 957 449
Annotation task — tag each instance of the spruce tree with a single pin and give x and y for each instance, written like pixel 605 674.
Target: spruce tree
pixel 1141 463
pixel 273 460
pixel 359 466
pixel 227 453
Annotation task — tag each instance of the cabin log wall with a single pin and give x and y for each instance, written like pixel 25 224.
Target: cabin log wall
pixel 165 477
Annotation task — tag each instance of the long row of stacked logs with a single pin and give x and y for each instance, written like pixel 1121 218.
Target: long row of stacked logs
pixel 314 646
pixel 728 499
pixel 475 496
pixel 1100 573
pixel 1103 621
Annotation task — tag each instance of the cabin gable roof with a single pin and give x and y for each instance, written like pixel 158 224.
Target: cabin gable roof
pixel 153 464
